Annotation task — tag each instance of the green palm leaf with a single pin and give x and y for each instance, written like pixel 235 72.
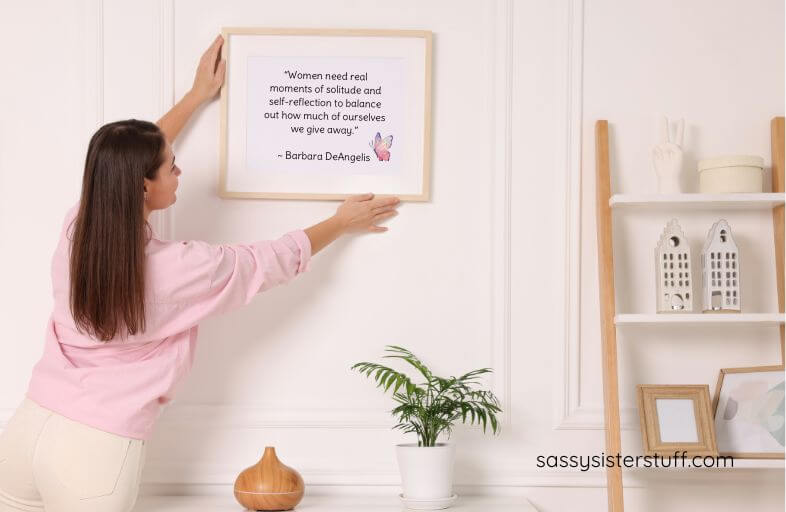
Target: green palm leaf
pixel 430 409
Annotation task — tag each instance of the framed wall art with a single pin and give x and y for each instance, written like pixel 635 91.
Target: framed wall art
pixel 748 410
pixel 676 419
pixel 325 113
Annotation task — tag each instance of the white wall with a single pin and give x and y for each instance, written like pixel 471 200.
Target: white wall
pixel 499 269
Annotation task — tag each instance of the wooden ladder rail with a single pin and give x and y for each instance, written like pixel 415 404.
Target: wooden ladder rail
pixel 777 133
pixel 608 330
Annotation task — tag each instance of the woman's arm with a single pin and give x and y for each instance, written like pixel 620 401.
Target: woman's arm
pixel 174 120
pixel 324 233
pixel 357 213
pixel 208 80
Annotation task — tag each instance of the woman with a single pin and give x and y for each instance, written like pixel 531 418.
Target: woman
pixel 127 307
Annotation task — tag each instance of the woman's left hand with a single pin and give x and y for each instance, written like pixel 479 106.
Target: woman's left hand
pixel 210 73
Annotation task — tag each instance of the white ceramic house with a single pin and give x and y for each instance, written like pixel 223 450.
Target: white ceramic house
pixel 673 269
pixel 720 264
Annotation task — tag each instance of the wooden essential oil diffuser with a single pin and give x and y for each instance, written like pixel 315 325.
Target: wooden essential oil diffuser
pixel 269 484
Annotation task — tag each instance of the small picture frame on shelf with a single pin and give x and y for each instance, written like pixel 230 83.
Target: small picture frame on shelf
pixel 676 418
pixel 748 408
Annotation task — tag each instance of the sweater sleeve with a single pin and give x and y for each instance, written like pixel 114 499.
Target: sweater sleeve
pixel 215 279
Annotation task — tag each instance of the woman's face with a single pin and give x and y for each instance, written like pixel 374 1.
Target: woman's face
pixel 161 190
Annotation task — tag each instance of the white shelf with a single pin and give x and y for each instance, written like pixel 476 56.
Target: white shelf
pixel 698 201
pixel 700 318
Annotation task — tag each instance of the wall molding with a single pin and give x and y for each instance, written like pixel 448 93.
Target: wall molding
pixel 163 84
pixel 218 480
pixel 232 416
pixel 239 416
pixel 567 413
pixel 502 147
pixel 571 412
pixel 198 419
pixel 93 82
pixel 92 13
pixel 252 417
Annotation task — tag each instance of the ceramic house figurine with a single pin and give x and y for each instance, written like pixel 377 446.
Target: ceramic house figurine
pixel 673 271
pixel 720 264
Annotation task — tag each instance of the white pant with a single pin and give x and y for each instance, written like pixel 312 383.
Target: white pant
pixel 52 463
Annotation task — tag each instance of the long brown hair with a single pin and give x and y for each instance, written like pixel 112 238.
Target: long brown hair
pixel 107 265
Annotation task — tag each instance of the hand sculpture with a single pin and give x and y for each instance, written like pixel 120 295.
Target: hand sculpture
pixel 666 158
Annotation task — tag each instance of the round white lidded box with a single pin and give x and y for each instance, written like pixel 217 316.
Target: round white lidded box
pixel 729 174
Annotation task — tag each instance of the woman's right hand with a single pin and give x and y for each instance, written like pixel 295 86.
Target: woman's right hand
pixel 210 72
pixel 362 212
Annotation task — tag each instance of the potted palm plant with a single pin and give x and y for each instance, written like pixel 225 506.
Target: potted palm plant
pixel 429 409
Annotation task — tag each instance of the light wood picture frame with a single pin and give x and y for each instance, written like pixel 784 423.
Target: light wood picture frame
pixel 748 412
pixel 280 137
pixel 676 418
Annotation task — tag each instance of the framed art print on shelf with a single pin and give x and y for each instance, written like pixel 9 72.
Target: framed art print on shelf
pixel 675 419
pixel 325 113
pixel 749 412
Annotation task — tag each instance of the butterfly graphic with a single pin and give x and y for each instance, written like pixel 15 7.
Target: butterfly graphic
pixel 381 146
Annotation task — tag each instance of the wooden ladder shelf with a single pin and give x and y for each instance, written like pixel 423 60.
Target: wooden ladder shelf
pixel 608 329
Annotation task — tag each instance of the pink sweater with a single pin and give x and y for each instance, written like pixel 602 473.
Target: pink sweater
pixel 119 386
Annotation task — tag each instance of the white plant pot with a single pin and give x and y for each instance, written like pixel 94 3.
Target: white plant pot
pixel 426 471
